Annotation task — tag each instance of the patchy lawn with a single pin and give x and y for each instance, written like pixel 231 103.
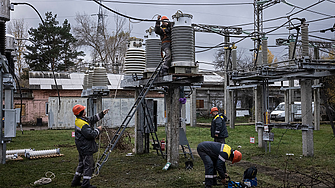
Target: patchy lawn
pixel 275 169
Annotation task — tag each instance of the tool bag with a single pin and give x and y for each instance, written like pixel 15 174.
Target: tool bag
pixel 250 173
pixel 249 177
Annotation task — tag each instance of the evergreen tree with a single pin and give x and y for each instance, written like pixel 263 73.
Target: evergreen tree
pixel 52 46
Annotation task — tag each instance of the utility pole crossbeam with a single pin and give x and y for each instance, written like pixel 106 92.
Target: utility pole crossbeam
pixel 217 29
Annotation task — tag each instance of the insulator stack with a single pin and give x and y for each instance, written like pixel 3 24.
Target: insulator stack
pixel 10 42
pixel 265 51
pixel 4 16
pixel 304 39
pixel 153 51
pixel 85 84
pixel 99 77
pixel 135 58
pixel 11 156
pixel 42 153
pixel 90 79
pixel 18 151
pixel 182 40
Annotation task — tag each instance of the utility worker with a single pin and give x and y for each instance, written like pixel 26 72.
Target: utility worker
pixel 86 145
pixel 214 156
pixel 218 127
pixel 164 31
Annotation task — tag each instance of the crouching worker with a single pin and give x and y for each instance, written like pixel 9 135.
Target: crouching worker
pixel 86 145
pixel 214 156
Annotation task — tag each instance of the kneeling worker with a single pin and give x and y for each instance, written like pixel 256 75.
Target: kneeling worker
pixel 214 156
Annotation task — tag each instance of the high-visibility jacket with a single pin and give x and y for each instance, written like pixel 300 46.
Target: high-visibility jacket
pixel 86 134
pixel 218 126
pixel 218 154
pixel 163 31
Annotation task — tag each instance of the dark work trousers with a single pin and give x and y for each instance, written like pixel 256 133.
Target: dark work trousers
pixel 166 48
pixel 221 140
pixel 210 172
pixel 85 169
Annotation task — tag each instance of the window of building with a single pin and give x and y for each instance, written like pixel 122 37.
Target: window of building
pixel 200 104
pixel 23 110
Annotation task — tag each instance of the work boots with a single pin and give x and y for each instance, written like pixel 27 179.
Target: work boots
pixel 76 181
pixel 76 184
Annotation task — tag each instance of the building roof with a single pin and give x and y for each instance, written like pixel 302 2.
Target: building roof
pixel 66 81
pixel 212 77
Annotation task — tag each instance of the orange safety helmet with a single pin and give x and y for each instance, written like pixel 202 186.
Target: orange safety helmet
pixel 77 109
pixel 214 109
pixel 237 156
pixel 164 18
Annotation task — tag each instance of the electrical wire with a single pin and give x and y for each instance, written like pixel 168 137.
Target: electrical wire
pixel 320 19
pixel 316 31
pixel 327 52
pixel 321 38
pixel 281 17
pixel 123 15
pixel 177 4
pixel 295 6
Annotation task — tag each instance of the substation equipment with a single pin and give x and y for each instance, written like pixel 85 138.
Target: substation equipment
pixel 305 69
pixel 183 72
pixel 94 88
pixel 9 116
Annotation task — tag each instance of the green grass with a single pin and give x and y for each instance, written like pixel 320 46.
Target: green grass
pixel 145 170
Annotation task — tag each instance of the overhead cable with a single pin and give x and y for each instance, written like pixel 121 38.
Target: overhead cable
pixel 177 4
pixel 322 38
pixel 123 15
pixel 281 17
pixel 320 19
pixel 295 6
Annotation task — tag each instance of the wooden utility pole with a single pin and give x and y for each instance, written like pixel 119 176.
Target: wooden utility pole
pixel 173 123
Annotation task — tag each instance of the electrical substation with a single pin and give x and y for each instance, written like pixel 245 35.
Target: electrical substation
pixel 142 73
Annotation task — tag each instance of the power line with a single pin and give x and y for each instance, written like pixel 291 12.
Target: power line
pixel 177 4
pixel 322 38
pixel 123 15
pixel 281 17
pixel 295 6
pixel 316 31
pixel 320 19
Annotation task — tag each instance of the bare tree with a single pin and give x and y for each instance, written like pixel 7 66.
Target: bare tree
pixel 243 61
pixel 106 47
pixel 19 30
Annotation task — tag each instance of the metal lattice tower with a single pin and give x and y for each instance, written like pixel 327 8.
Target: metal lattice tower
pixel 101 27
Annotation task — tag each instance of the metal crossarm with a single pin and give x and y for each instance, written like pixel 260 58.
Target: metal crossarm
pixel 104 157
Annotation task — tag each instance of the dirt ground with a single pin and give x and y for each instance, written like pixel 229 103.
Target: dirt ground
pixel 292 179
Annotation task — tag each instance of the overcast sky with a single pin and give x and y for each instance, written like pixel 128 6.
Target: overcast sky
pixel 223 15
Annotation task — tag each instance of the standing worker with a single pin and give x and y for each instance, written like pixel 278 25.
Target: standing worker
pixel 86 145
pixel 214 156
pixel 164 31
pixel 218 127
